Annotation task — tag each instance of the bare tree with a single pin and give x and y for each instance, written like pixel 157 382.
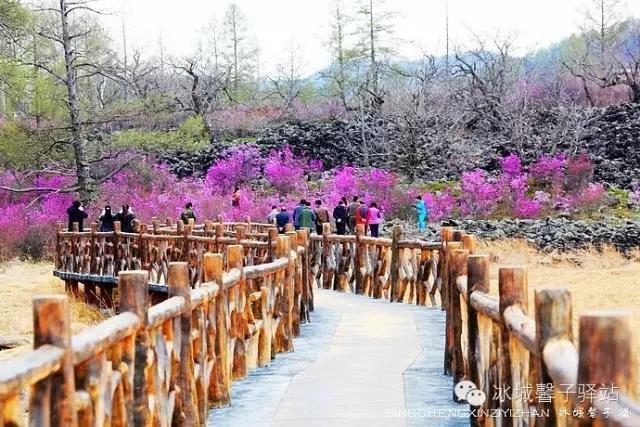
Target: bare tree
pixel 375 28
pixel 485 75
pixel 239 53
pixel 288 83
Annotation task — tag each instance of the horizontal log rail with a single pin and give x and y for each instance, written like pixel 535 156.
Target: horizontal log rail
pixel 525 362
pixel 163 364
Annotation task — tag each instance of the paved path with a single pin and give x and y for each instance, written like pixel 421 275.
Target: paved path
pixel 362 362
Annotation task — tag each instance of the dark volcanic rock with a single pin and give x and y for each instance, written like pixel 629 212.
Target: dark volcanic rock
pixel 557 233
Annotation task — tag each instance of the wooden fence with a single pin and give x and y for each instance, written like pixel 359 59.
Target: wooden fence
pixel 165 364
pixel 523 357
pixel 237 294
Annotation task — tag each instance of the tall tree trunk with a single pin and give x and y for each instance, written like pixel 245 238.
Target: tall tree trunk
pixel 372 42
pixel 78 141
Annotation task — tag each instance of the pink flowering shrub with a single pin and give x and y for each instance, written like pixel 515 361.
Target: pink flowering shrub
pixel 551 185
pixel 440 206
pixel 479 194
pixel 286 173
pixel 242 165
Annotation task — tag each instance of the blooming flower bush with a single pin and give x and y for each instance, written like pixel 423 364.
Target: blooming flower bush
pixel 550 186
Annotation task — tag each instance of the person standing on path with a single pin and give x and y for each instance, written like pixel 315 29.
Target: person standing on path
pixel 296 214
pixel 422 212
pixel 126 217
pixel 340 217
pixel 362 216
pixel 351 214
pixel 271 218
pixel 322 216
pixel 282 219
pixel 76 214
pixel 307 219
pixel 374 219
pixel 106 219
pixel 188 214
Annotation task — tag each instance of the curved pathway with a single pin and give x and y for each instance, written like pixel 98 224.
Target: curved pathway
pixel 362 362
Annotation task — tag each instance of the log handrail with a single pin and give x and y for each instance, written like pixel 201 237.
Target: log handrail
pixel 190 331
pixel 499 345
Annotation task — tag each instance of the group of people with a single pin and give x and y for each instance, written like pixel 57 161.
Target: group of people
pixel 107 218
pixel 345 216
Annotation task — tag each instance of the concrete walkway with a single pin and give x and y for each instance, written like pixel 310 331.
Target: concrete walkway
pixel 362 362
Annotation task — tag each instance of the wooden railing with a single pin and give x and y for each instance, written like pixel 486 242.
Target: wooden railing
pixel 230 311
pixel 392 268
pixel 164 364
pixel 525 360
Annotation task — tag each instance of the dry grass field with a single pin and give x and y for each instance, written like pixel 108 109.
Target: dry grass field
pixel 596 280
pixel 19 282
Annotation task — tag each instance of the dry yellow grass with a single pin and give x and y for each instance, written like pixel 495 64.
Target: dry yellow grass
pixel 596 280
pixel 19 282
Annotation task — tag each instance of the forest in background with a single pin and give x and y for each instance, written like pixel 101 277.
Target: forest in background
pixel 81 111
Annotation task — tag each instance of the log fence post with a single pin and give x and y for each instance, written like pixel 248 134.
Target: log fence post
pixel 394 268
pixel 272 238
pixel 53 398
pixel 241 232
pixel 513 291
pixel 219 234
pixel 284 251
pixel 327 282
pixel 607 359
pixel 220 383
pixel 307 289
pixel 360 259
pixel 239 327
pixel 134 298
pixel 459 259
pixel 447 287
pixel 478 280
pixel 553 325
pixel 186 413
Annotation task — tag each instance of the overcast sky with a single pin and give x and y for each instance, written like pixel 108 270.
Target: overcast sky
pixel 420 24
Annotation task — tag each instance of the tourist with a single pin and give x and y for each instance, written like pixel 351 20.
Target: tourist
pixel 421 211
pixel 362 216
pixel 306 218
pixel 296 213
pixel 282 219
pixel 351 214
pixel 106 219
pixel 340 217
pixel 76 214
pixel 126 217
pixel 374 219
pixel 235 198
pixel 188 214
pixel 322 216
pixel 271 218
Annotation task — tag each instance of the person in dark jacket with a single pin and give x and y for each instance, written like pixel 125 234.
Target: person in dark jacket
pixel 340 217
pixel 106 219
pixel 282 219
pixel 76 214
pixel 126 217
pixel 322 216
pixel 188 214
pixel 296 213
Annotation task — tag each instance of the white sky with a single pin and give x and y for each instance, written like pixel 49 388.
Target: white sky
pixel 420 24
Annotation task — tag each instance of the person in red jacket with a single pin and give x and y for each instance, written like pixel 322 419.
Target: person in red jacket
pixel 362 216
